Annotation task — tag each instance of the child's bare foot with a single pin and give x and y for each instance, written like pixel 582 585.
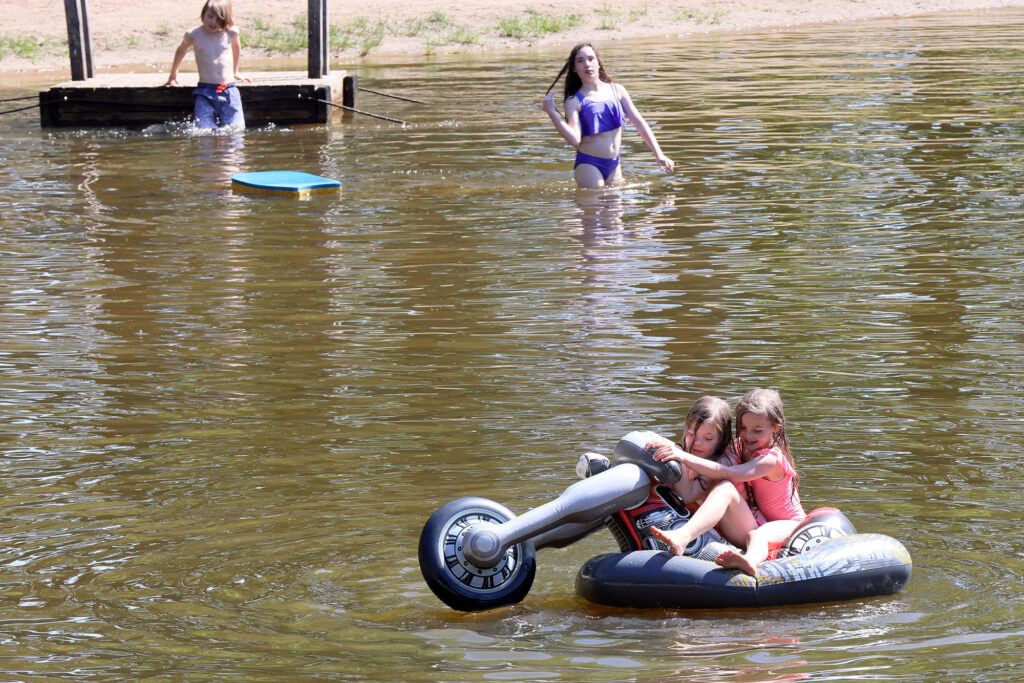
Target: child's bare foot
pixel 675 547
pixel 731 559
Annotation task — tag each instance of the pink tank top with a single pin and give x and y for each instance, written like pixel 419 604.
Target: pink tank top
pixel 777 499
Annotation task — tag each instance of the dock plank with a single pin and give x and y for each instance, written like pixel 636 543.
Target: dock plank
pixel 140 99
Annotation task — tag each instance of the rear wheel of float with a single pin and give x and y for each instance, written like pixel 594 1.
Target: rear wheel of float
pixel 453 578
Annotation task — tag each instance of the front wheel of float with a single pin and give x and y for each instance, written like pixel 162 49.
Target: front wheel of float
pixel 453 578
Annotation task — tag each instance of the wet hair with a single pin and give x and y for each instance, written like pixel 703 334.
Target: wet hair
pixel 572 79
pixel 768 403
pixel 222 8
pixel 716 412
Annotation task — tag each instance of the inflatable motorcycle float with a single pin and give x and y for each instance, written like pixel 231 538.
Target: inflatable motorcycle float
pixel 475 554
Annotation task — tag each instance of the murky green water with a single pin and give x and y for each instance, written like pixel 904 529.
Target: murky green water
pixel 225 418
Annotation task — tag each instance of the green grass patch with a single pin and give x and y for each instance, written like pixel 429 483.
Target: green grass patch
pixel 534 24
pixel 699 16
pixel 368 34
pixel 273 37
pixel 438 30
pixel 338 38
pixel 362 33
pixel 27 47
pixel 608 18
pixel 463 35
pixel 414 27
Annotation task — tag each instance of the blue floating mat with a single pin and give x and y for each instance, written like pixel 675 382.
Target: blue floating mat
pixel 284 183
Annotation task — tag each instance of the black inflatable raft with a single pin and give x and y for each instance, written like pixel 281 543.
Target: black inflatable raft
pixel 844 568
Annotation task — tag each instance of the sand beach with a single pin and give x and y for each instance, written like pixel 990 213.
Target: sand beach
pixel 144 33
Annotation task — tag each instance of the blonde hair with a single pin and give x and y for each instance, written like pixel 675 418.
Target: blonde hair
pixel 222 8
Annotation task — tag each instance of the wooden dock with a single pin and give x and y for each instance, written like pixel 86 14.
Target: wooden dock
pixel 137 100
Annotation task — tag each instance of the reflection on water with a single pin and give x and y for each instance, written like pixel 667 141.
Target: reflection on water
pixel 227 416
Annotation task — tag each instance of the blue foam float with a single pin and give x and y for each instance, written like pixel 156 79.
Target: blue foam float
pixel 284 183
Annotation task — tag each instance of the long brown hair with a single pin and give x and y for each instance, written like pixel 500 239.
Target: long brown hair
pixel 768 403
pixel 716 412
pixel 572 79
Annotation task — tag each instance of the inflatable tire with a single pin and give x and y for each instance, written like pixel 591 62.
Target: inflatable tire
pixel 455 580
pixel 845 568
pixel 821 525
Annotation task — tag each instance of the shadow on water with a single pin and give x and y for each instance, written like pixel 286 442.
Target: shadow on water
pixel 227 416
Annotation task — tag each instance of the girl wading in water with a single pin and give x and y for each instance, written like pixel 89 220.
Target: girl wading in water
pixel 595 112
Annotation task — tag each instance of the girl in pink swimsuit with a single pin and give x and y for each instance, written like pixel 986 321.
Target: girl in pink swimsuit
pixel 595 112
pixel 755 504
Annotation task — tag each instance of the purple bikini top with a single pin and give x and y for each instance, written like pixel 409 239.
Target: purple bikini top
pixel 598 116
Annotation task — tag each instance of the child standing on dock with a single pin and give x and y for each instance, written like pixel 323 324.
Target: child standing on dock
pixel 217 48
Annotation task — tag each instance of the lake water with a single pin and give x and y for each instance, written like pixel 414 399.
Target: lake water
pixel 226 417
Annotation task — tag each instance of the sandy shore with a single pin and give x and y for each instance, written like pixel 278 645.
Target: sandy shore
pixel 144 33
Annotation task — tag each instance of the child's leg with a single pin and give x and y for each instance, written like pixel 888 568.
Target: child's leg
pixel 588 176
pixel 206 116
pixel 722 505
pixel 759 543
pixel 231 115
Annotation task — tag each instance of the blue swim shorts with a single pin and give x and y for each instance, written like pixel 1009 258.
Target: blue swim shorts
pixel 218 106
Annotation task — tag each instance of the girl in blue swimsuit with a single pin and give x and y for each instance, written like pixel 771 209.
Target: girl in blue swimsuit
pixel 595 111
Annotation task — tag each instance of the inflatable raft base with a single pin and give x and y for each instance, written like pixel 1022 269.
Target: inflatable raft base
pixel 845 568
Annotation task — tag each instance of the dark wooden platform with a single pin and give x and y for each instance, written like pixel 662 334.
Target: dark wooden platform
pixel 136 100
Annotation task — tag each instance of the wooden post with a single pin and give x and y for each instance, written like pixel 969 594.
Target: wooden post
pixel 79 44
pixel 319 30
pixel 349 88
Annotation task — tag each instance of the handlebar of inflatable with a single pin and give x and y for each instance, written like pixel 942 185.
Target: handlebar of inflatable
pixel 581 507
pixel 584 502
pixel 632 449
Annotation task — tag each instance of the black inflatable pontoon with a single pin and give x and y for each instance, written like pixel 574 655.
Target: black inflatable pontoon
pixel 844 568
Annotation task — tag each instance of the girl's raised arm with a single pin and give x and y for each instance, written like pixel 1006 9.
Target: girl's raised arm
pixel 569 127
pixel 633 114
